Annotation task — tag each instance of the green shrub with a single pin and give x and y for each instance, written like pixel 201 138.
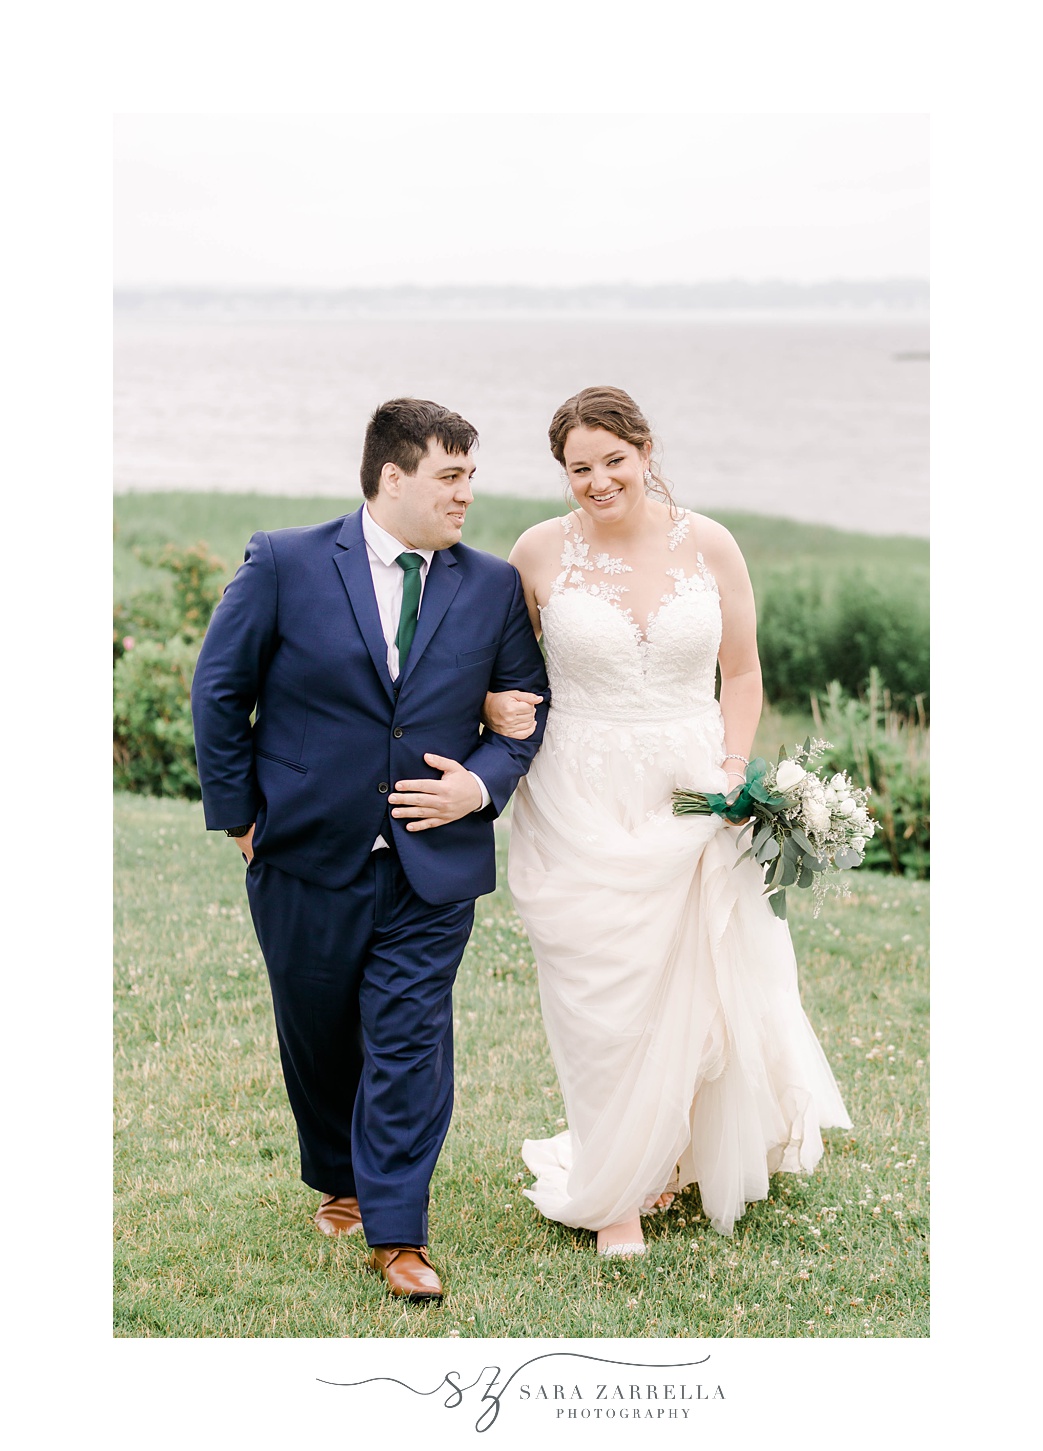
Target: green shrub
pixel 890 753
pixel 152 743
pixel 156 636
pixel 883 627
pixel 815 627
pixel 195 590
pixel 789 636
pixel 146 616
pixel 183 609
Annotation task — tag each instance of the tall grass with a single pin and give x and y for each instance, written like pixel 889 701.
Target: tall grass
pixel 889 752
pixel 148 521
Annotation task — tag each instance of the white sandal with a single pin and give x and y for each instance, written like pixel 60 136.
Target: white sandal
pixel 627 1250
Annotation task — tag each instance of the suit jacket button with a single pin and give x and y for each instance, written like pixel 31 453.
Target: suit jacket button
pixel 383 788
pixel 398 733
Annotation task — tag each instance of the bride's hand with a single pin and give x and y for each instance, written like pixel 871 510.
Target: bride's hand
pixel 511 713
pixel 730 797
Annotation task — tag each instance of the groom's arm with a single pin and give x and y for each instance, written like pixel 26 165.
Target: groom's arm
pixel 500 761
pixel 232 663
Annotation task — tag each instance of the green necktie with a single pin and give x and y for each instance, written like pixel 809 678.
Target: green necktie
pixel 411 565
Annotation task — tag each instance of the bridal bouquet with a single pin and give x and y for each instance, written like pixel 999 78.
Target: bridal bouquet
pixel 804 829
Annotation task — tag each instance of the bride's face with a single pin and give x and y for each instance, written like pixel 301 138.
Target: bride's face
pixel 607 475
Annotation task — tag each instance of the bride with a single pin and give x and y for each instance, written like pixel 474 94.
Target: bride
pixel 668 986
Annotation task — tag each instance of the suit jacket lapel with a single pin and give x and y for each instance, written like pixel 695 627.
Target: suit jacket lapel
pixel 439 589
pixel 352 560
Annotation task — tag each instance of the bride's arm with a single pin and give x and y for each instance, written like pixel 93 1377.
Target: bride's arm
pixel 741 693
pixel 513 712
pixel 529 557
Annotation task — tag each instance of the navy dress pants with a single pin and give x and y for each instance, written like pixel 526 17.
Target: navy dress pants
pixel 362 979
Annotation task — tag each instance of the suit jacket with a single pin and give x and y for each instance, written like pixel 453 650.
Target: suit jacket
pixel 297 638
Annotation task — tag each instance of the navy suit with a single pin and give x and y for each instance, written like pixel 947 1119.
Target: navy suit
pixel 361 947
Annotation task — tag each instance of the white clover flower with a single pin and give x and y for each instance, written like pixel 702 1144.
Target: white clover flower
pixel 789 775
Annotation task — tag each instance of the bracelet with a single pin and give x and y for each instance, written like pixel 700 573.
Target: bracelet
pixel 732 756
pixel 740 774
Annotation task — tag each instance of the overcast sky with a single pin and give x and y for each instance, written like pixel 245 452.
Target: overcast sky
pixel 356 200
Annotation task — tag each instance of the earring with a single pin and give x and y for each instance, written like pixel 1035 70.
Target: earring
pixel 649 481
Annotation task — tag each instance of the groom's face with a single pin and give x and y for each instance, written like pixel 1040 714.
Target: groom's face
pixel 426 510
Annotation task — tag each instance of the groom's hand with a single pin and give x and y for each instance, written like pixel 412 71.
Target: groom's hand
pixel 245 844
pixel 434 803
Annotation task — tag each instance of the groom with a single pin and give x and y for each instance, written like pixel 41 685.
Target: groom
pixel 362 795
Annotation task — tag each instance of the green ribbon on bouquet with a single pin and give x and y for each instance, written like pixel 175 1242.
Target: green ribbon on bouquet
pixel 752 792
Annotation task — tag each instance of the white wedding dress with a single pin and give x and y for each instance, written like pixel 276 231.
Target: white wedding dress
pixel 668 986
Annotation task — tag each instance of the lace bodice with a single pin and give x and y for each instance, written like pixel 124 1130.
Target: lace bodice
pixel 602 662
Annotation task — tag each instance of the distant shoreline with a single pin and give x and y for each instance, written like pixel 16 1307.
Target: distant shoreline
pixel 888 298
pixel 708 316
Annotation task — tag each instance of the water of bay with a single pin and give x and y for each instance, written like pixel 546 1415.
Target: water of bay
pixel 815 418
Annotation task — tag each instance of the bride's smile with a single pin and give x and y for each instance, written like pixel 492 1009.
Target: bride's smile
pixel 606 474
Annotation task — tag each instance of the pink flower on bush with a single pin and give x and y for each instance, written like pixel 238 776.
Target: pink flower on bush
pixel 128 642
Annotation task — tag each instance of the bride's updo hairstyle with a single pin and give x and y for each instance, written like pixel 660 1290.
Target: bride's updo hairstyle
pixel 617 413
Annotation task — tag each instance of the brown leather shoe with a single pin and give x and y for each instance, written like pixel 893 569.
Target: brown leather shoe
pixel 407 1272
pixel 338 1214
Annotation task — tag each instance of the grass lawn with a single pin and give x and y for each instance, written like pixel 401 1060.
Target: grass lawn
pixel 213 1232
pixel 147 521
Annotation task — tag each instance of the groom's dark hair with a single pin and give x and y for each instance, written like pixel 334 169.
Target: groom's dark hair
pixel 399 433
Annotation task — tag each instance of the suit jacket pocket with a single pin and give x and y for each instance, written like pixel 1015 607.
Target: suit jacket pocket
pixel 476 657
pixel 282 761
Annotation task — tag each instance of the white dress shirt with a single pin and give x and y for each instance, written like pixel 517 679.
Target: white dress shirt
pixel 383 550
pixel 389 579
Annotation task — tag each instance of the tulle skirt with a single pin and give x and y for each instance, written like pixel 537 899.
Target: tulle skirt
pixel 668 986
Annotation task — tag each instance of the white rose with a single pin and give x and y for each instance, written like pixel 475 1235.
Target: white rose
pixel 846 808
pixel 817 816
pixel 858 843
pixel 789 775
pixel 839 781
pixel 830 796
pixel 861 816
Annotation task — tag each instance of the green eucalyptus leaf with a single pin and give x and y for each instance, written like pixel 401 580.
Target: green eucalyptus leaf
pixel 778 904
